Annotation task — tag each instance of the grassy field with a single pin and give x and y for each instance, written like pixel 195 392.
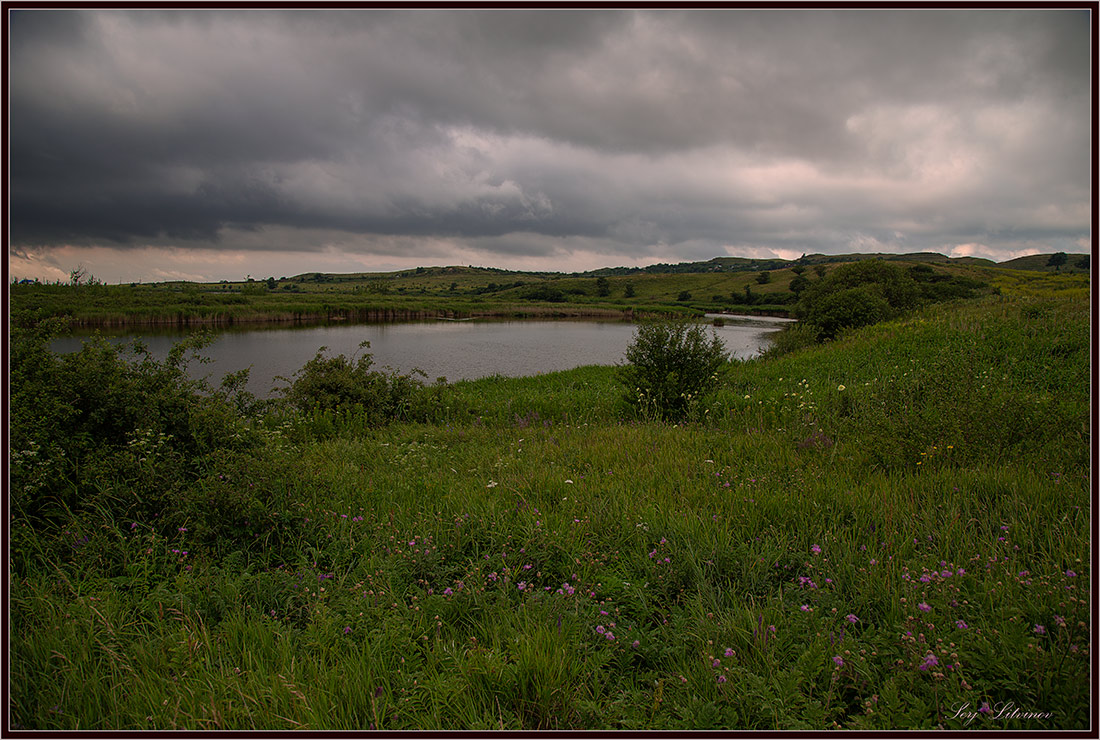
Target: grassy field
pixel 888 531
pixel 471 291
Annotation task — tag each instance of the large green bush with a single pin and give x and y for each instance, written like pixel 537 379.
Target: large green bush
pixel 855 295
pixel 670 365
pixel 351 385
pixel 111 412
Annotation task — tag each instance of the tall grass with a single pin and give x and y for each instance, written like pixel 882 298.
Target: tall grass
pixel 890 531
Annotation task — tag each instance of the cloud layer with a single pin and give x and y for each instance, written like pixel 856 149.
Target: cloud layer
pixel 557 137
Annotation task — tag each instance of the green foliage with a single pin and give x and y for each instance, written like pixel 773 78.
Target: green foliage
pixel 343 384
pixel 683 296
pixel 670 366
pixel 855 295
pixel 764 277
pixel 799 283
pixel 111 410
pixel 1057 260
pixel 543 293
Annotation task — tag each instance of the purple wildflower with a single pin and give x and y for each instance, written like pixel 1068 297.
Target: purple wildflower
pixel 852 618
pixel 839 661
pixel 1040 629
pixel 961 625
pixel 929 661
pixel 721 679
pixel 729 652
pixel 924 607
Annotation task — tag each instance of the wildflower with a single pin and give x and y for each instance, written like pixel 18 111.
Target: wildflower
pixel 1040 629
pixel 601 629
pixel 609 636
pixel 715 663
pixel 1060 621
pixel 729 652
pixel 347 630
pixel 635 644
pixel 133 526
pixel 924 607
pixel 959 624
pixel 1070 574
pixel 721 679
pixel 447 592
pixel 985 708
pixel 492 484
pixel 852 618
pixel 815 550
pixel 839 661
pixel 806 608
pixel 840 387
pixel 930 660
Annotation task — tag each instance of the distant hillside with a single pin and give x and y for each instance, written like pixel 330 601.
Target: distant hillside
pixel 464 274
pixel 1075 263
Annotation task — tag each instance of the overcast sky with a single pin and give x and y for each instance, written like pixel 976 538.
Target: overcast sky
pixel 211 144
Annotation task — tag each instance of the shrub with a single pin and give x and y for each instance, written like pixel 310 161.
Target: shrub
pixel 340 383
pixel 543 293
pixel 81 420
pixel 671 365
pixel 855 295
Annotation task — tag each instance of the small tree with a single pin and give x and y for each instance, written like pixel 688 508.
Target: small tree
pixel 670 366
pixel 764 277
pixel 629 293
pixel 684 296
pixel 603 287
pixel 1057 260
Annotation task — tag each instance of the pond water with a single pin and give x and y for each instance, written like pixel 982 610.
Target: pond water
pixel 456 350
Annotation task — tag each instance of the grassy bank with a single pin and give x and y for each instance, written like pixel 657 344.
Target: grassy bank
pixel 886 531
pixel 460 292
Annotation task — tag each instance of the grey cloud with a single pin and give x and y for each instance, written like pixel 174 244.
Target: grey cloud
pixel 627 131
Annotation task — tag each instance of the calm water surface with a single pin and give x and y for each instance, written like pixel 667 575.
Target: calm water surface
pixel 457 350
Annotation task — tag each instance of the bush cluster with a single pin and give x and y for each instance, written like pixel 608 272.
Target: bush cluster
pixel 671 364
pixel 111 411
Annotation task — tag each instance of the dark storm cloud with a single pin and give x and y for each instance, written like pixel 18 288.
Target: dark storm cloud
pixel 630 132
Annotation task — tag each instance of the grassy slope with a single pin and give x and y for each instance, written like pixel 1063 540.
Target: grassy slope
pixel 928 477
pixel 429 290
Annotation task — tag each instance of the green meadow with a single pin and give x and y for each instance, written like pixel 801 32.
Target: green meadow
pixel 889 530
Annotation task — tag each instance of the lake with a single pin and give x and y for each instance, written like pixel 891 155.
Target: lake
pixel 457 350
